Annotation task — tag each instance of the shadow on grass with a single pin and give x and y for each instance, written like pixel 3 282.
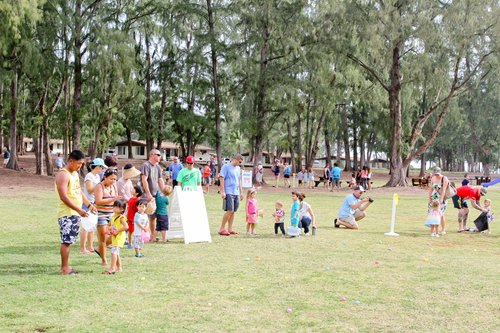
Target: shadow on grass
pixel 20 269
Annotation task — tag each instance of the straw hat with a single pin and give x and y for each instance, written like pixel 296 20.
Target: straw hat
pixel 129 171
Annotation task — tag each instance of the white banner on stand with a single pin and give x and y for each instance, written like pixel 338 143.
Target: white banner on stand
pixel 188 216
pixel 246 178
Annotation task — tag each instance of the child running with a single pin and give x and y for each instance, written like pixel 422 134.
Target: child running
pixel 117 227
pixel 161 212
pixel 434 218
pixel 279 218
pixel 141 223
pixel 252 211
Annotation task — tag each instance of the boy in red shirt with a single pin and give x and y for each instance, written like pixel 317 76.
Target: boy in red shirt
pixel 472 193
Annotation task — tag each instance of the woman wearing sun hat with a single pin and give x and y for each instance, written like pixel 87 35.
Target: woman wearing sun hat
pixel 124 184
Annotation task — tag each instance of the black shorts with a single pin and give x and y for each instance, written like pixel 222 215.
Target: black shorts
pixel 459 202
pixel 161 222
pixel 286 176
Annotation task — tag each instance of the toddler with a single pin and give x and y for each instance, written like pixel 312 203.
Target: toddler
pixel 279 218
pixel 483 222
pixel 161 212
pixel 131 210
pixel 117 227
pixel 311 178
pixel 300 177
pixel 252 211
pixel 434 218
pixel 141 222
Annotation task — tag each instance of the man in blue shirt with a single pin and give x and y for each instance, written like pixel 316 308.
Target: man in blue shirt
pixel 174 169
pixel 353 209
pixel 336 176
pixel 232 193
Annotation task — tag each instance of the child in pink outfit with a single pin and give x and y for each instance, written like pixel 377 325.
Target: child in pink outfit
pixel 252 211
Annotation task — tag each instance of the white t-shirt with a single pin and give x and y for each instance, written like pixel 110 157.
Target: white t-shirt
pixel 304 209
pixel 94 180
pixel 140 219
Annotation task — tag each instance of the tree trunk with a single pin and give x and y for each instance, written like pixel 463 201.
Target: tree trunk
pixel 129 143
pixel 262 92
pixel 290 140
pixel 13 123
pixel 215 86
pixel 2 138
pixel 77 95
pixel 423 162
pixel 147 102
pixel 398 175
pixel 300 109
pixel 345 137
pixel 328 146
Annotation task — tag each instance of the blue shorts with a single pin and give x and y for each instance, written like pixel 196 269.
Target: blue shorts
pixel 231 203
pixel 161 222
pixel 103 219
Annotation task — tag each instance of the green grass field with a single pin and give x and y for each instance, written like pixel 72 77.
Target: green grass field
pixel 411 283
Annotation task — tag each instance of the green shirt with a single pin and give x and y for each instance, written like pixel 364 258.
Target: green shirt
pixel 189 177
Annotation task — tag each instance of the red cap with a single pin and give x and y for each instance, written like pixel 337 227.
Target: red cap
pixel 190 159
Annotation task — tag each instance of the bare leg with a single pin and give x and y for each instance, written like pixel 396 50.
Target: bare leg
pixel 347 225
pixel 443 225
pixel 65 268
pixel 119 263
pixel 230 222
pixel 164 235
pixel 90 241
pixel 248 228
pixel 83 239
pixel 101 237
pixel 225 219
pixel 252 226
pixel 152 228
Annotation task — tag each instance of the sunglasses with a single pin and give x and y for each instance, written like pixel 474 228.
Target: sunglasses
pixel 189 163
pixel 110 172
pixel 157 154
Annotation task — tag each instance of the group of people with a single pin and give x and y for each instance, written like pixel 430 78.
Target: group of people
pixel 440 190
pixel 141 209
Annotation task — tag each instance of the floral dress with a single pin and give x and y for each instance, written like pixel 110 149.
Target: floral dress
pixel 435 196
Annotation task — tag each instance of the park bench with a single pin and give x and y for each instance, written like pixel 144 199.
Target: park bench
pixel 480 180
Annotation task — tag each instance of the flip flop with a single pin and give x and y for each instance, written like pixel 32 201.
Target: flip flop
pixel 71 272
pixel 108 272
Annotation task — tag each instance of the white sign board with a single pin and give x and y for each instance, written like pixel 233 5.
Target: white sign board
pixel 188 216
pixel 246 178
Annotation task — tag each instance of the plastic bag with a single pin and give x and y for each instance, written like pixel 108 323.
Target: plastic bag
pixel 89 223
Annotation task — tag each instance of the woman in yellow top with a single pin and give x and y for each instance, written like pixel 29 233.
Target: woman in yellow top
pixel 117 227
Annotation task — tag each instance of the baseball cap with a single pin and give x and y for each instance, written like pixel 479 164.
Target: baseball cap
pixel 437 171
pixel 99 162
pixel 359 188
pixel 190 159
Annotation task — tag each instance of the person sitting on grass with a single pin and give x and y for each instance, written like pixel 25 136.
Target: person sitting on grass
pixel 353 209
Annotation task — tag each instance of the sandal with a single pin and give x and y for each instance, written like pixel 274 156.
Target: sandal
pixel 107 272
pixel 233 232
pixel 71 272
pixel 224 233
